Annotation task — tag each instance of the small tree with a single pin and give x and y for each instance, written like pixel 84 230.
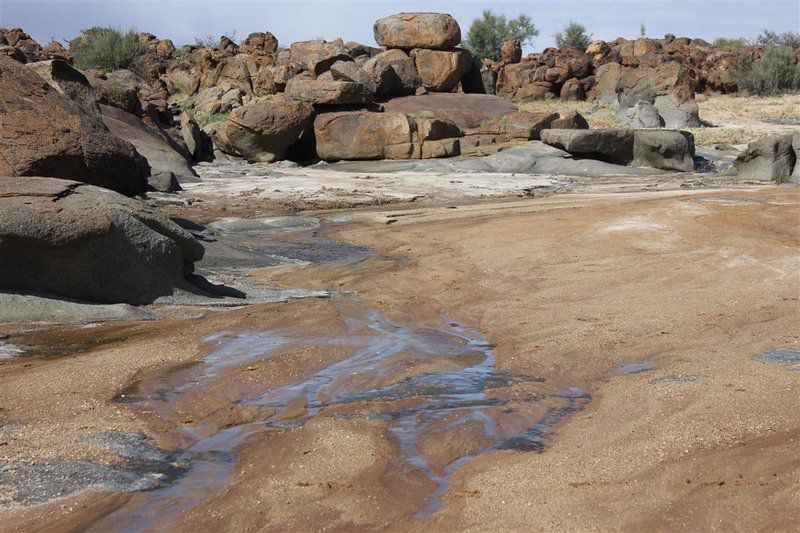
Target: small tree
pixel 642 30
pixel 573 35
pixel 789 38
pixel 488 32
pixel 724 44
pixel 775 73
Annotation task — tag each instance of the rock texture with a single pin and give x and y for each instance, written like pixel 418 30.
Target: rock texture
pixel 44 133
pixel 77 241
pixel 363 135
pixel 664 149
pixel 441 70
pixel 773 158
pixel 436 31
pixel 263 130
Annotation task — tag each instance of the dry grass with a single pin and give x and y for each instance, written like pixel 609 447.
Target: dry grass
pixel 597 116
pixel 724 109
pixel 734 135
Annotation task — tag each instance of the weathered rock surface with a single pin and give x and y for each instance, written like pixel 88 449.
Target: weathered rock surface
pixel 768 159
pixel 511 50
pixel 322 91
pixel 263 130
pixel 436 31
pixel 161 153
pixel 363 135
pixel 43 133
pixel 406 79
pixel 465 110
pixel 441 70
pixel 73 240
pixel 613 145
pixel 318 55
pixel 663 149
pixel 68 81
pixel 571 120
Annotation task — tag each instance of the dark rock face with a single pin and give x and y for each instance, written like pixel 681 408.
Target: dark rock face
pixel 162 154
pixel 768 159
pixel 77 241
pixel 571 120
pixel 661 149
pixel 43 133
pixel 435 31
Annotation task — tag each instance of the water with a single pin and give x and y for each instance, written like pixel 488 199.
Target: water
pixel 427 384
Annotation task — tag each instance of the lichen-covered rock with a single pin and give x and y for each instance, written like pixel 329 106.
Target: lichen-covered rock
pixel 436 31
pixel 664 149
pixel 363 135
pixel 406 79
pixel 318 55
pixel 322 91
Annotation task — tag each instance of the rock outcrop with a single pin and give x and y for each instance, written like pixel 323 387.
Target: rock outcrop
pixel 363 135
pixel 44 133
pixel 769 159
pixel 77 241
pixel 436 31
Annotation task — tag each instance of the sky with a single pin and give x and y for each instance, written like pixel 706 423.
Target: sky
pixel 184 21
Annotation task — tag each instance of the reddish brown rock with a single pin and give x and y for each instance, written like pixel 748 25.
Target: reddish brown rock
pixel 511 50
pixel 464 110
pixel 318 55
pixel 406 78
pixel 323 91
pixel 363 135
pixel 43 133
pixel 436 31
pixel 441 70
pixel 259 43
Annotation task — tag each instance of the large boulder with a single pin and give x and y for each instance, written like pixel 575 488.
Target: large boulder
pixel 259 43
pixel 664 149
pixel 44 133
pixel 441 70
pixel 161 152
pixel 465 110
pixel 611 145
pixel 511 50
pixel 78 241
pixel 772 158
pixel 326 91
pixel 406 79
pixel 661 149
pixel 436 31
pixel 363 135
pixel 318 55
pixel 263 130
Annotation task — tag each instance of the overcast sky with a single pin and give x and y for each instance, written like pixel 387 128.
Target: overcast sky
pixel 183 21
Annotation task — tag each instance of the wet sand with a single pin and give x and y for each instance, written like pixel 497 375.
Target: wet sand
pixel 654 304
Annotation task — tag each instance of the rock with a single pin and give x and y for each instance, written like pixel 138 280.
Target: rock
pixel 795 178
pixel 474 82
pixel 363 135
pixel 769 159
pixel 436 31
pixel 464 110
pixel 26 309
pixel 161 153
pixel 612 145
pixel 45 133
pixel 318 55
pixel 164 182
pixel 534 91
pixel 511 50
pixel 571 120
pixel 572 90
pixel 441 70
pixel 192 137
pixel 68 81
pixel 263 130
pixel 421 91
pixel 406 79
pixel 641 115
pixel 525 125
pixel 350 72
pixel 669 88
pixel 259 43
pixel 326 92
pixel 78 241
pixel 664 149
pixel 216 100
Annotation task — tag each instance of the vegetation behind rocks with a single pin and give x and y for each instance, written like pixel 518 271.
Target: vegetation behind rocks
pixel 108 49
pixel 573 35
pixel 775 73
pixel 488 32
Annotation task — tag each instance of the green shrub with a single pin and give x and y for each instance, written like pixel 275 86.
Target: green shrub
pixel 203 119
pixel 573 35
pixel 723 44
pixel 116 95
pixel 487 33
pixel 781 172
pixel 775 73
pixel 772 38
pixel 108 49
